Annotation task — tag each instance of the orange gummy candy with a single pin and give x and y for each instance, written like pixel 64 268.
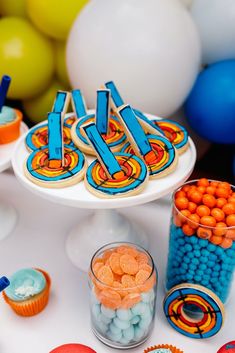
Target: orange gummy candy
pixel 129 264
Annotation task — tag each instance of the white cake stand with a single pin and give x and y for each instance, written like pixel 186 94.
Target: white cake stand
pixel 8 215
pixel 105 225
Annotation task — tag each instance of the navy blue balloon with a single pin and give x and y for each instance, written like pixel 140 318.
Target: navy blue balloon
pixel 210 107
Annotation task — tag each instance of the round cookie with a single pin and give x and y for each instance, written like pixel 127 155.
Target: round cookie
pixel 165 156
pixel 201 298
pixel 132 181
pixel 114 139
pixel 163 348
pixel 38 137
pixel 38 171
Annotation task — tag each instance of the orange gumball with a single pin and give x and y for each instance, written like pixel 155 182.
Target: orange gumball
pixel 184 215
pixel 209 200
pixel 203 182
pixel 192 206
pixel 230 220
pixel 203 210
pixel 208 221
pixel 204 233
pixel 229 208
pixel 218 214
pixel 187 230
pixel 186 188
pixel 226 243
pixel 225 185
pixel 195 196
pixel 222 192
pixel 230 234
pixel 231 199
pixel 210 190
pixel 181 203
pixel 193 221
pixel 220 229
pixel 202 189
pixel 216 240
pixel 214 183
pixel 220 202
pixel 180 193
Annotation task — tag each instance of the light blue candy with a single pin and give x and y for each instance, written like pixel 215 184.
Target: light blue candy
pixel 108 312
pixel 135 320
pixel 139 308
pixel 147 314
pixel 121 324
pixel 101 327
pixel 129 333
pixel 114 329
pixel 124 314
pixel 145 322
pixel 96 310
pixel 106 320
pixel 139 333
pixel 115 337
pixel 124 341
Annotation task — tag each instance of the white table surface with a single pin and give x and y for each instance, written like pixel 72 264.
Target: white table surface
pixel 38 241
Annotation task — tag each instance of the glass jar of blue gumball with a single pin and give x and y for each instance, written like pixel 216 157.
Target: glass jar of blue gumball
pixel 202 236
pixel 123 284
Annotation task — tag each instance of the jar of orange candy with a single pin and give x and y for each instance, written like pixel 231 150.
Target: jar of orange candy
pixel 123 284
pixel 202 236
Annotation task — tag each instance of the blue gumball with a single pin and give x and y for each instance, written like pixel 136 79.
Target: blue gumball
pixel 210 107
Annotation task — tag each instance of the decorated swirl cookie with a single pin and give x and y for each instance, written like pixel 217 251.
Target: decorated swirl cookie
pixel 157 152
pixel 108 126
pixel 203 301
pixel 55 165
pixel 112 175
pixel 176 133
pixel 38 136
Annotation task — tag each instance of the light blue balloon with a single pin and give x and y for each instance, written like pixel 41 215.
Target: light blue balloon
pixel 210 107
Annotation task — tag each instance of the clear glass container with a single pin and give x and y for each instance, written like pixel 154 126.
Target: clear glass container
pixel 199 253
pixel 123 285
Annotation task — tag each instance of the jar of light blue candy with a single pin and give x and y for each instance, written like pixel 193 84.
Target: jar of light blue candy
pixel 123 285
pixel 201 254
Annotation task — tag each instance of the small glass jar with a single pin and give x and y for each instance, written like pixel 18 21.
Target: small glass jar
pixel 198 253
pixel 123 284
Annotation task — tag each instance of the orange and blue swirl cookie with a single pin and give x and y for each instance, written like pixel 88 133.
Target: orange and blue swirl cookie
pixel 164 160
pixel 38 170
pixel 184 298
pixel 108 126
pixel 37 137
pixel 157 152
pixel 55 165
pixel 175 132
pixel 113 175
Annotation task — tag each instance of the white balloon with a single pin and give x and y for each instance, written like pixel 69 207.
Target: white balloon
pixel 187 3
pixel 151 49
pixel 215 20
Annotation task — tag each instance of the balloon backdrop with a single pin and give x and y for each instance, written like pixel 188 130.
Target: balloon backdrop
pixel 38 107
pixel 13 8
pixel 153 54
pixel 54 17
pixel 210 107
pixel 215 20
pixel 60 65
pixel 26 55
pixel 187 3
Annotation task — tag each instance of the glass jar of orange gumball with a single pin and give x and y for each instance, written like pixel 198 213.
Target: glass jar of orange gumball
pixel 123 283
pixel 202 236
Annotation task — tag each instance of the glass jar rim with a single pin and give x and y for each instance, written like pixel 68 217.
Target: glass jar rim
pixel 154 270
pixel 185 217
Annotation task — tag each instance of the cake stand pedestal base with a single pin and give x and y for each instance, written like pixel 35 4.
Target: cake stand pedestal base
pixel 8 218
pixel 101 228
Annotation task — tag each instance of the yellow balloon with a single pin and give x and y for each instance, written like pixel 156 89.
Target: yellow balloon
pixel 25 55
pixel 60 64
pixel 13 8
pixel 38 107
pixel 54 17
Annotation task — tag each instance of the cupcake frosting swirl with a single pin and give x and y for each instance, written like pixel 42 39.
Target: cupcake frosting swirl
pixel 7 115
pixel 25 284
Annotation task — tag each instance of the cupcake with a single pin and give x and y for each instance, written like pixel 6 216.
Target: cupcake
pixel 10 120
pixel 163 348
pixel 28 292
pixel 73 348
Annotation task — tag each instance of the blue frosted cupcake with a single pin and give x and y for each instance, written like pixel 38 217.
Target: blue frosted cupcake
pixel 28 292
